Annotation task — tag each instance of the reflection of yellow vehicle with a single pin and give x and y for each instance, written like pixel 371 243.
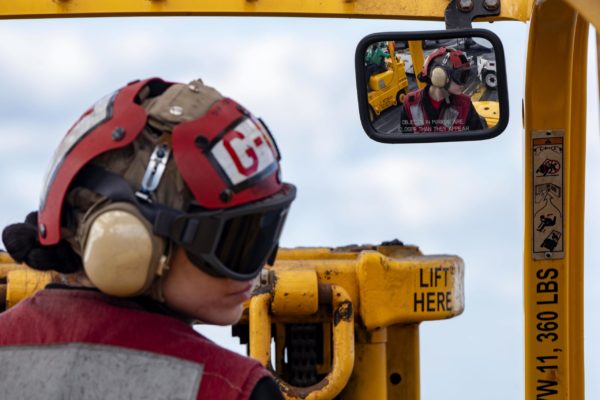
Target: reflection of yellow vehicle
pixel 490 110
pixel 387 88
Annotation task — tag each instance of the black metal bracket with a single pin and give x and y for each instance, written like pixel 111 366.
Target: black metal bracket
pixel 460 13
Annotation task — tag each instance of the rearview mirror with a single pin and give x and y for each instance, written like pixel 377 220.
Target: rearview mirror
pixel 432 86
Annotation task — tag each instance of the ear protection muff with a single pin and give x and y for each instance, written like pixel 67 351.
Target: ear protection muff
pixel 439 77
pixel 121 256
pixel 439 73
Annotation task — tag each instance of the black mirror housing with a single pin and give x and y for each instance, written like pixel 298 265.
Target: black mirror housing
pixel 438 86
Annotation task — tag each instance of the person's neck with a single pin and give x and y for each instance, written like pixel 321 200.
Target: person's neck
pixel 437 93
pixel 77 279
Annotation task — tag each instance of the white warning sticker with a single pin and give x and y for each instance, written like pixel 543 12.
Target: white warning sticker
pixel 548 195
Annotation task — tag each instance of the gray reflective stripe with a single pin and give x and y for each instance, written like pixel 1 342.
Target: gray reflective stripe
pixel 100 112
pixel 417 115
pixel 449 117
pixel 94 372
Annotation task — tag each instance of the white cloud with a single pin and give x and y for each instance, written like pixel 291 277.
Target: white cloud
pixel 63 56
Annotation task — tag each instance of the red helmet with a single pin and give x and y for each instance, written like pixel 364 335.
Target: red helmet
pixel 454 63
pixel 226 157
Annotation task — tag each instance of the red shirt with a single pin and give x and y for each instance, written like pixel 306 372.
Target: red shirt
pixel 436 103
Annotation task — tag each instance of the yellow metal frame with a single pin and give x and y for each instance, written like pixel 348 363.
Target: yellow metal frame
pixel 551 58
pixel 21 281
pixel 343 343
pixel 422 9
pixel 589 10
pixel 555 98
pixel 391 288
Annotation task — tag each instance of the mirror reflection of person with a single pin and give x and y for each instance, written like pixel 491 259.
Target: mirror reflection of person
pixel 441 105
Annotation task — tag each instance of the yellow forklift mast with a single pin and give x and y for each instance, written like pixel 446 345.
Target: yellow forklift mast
pixel 345 321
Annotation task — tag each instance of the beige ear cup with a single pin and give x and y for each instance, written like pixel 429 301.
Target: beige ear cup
pixel 121 256
pixel 439 78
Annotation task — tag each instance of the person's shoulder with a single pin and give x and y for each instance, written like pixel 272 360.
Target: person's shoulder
pixel 415 95
pixel 462 98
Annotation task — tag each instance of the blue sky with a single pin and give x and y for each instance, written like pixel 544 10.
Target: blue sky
pixel 298 75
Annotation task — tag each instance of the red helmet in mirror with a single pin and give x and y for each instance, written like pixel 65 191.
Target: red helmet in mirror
pixel 453 63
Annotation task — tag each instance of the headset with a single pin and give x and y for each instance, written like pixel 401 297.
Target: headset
pixel 226 158
pixel 453 66
pixel 120 253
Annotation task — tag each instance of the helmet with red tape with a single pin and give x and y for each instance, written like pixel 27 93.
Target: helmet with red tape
pixel 159 163
pixel 445 65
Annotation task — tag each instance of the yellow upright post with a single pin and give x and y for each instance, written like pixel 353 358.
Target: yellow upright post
pixel 368 380
pixel 554 202
pixel 403 366
pixel 416 52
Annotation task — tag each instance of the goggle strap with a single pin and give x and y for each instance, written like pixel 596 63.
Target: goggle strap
pixel 117 189
pixel 189 231
pixel 163 223
pixel 105 183
pixel 273 255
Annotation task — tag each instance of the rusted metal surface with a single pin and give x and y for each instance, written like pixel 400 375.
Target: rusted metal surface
pixel 296 293
pixel 343 353
pixel 343 312
pixel 408 290
pixel 343 343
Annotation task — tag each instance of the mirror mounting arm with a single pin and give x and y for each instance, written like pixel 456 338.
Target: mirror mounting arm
pixel 460 13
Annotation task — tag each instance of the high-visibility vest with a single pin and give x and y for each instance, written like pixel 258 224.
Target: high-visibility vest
pixel 80 344
pixel 452 117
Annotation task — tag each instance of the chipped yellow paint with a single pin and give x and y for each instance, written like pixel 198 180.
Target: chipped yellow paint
pixel 343 344
pixel 409 290
pixel 391 289
pixel 23 283
pixel 20 281
pixel 296 293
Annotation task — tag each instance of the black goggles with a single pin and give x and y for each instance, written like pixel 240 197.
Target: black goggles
pixel 232 243
pixel 461 76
